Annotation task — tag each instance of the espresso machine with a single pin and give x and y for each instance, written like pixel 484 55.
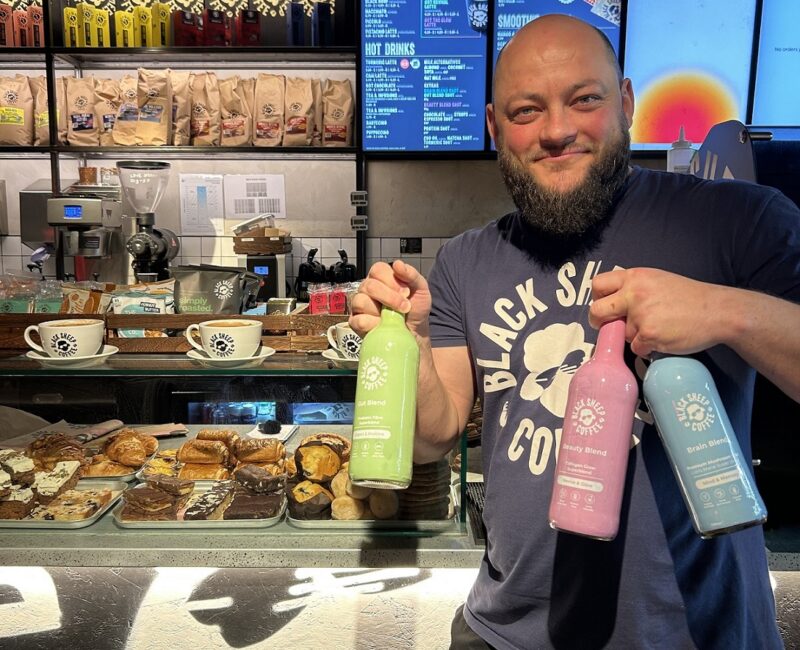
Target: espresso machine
pixel 87 225
pixel 143 183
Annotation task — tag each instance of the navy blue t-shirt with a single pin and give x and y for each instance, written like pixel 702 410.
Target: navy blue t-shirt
pixel 522 307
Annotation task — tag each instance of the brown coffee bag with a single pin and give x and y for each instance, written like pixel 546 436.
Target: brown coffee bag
pixel 106 108
pixel 205 110
pixel 237 122
pixel 16 111
pixel 61 101
pixel 83 128
pixel 316 92
pixel 155 108
pixel 299 112
pixel 268 110
pixel 41 116
pixel 247 89
pixel 124 130
pixel 337 114
pixel 181 107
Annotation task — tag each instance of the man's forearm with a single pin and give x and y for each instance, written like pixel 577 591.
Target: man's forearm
pixel 439 421
pixel 765 332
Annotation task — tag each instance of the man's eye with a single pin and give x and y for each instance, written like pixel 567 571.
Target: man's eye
pixel 587 99
pixel 525 111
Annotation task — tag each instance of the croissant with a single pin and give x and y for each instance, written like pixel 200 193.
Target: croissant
pixel 203 452
pixel 127 450
pixel 260 451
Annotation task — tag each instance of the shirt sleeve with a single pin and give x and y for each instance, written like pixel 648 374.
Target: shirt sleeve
pixel 770 259
pixel 447 318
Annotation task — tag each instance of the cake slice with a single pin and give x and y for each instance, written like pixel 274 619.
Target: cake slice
pixel 257 479
pixel 63 477
pixel 19 466
pixel 211 504
pixel 149 500
pixel 249 505
pixel 17 504
pixel 5 483
pixel 170 484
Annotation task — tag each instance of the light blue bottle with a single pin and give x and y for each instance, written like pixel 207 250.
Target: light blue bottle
pixel 714 477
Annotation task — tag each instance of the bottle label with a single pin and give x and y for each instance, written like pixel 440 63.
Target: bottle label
pixel 588 417
pixel 373 373
pixel 695 412
pixel 371 434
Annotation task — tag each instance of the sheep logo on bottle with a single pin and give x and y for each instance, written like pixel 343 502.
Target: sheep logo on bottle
pixel 222 344
pixel 373 373
pixel 694 411
pixel 64 344
pixel 588 417
pixel 223 289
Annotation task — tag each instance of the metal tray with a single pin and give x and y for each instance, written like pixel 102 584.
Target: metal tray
pixel 117 486
pixel 223 524
pixel 346 525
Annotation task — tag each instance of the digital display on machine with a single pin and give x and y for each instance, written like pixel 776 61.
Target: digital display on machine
pixel 423 80
pixel 73 212
pixel 776 98
pixel 689 63
pixel 510 15
pixel 261 270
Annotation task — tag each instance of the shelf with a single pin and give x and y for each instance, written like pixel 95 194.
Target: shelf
pixel 7 151
pixel 177 365
pixel 217 57
pixel 16 56
pixel 262 153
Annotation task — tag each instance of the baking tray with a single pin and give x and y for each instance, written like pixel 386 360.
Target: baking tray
pixel 424 525
pixel 222 524
pixel 118 486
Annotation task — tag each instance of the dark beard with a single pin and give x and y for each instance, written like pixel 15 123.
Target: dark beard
pixel 576 211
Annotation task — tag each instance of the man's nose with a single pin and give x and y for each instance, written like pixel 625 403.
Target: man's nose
pixel 558 129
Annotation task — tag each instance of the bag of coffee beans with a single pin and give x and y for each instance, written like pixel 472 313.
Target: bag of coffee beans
pixel 205 109
pixel 237 122
pixel 106 108
pixel 41 117
pixel 83 127
pixel 124 130
pixel 337 114
pixel 16 111
pixel 316 92
pixel 268 111
pixel 299 112
pixel 181 107
pixel 155 108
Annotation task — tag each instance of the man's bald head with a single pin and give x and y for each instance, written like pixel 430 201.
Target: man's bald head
pixel 565 26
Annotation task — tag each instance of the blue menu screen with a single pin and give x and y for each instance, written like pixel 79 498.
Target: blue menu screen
pixel 423 77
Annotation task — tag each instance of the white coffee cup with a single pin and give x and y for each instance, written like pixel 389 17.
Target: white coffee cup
pixel 226 338
pixel 344 340
pixel 67 338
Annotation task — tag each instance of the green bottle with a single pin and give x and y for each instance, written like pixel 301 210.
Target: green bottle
pixel 386 405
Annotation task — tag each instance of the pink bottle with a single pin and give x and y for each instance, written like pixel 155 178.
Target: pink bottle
pixel 596 439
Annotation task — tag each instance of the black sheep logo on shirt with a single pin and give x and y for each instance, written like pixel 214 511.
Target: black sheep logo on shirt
pixel 552 356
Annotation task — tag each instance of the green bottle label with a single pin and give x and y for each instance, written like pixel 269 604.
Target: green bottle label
pixel 386 406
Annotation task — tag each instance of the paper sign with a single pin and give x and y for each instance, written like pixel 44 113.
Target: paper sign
pixel 201 204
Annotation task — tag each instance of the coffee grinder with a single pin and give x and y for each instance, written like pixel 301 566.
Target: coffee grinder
pixel 143 183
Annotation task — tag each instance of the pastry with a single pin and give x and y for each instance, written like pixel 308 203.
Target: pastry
pixel 347 508
pixel 170 484
pixel 64 476
pixel 17 504
pixel 246 505
pixel 211 504
pixel 56 447
pixel 19 467
pixel 340 443
pixel 383 503
pixel 5 483
pixel 126 450
pixel 149 499
pixel 317 461
pixel 339 484
pixel 200 472
pixel 227 437
pixel 260 451
pixel 208 452
pixel 274 469
pixel 309 500
pixel 103 466
pixel 357 491
pixel 150 443
pixel 257 479
pixel 161 465
pixel 73 505
pixel 290 467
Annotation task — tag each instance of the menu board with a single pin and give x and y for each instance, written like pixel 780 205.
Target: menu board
pixel 510 15
pixel 423 76
pixel 777 93
pixel 689 62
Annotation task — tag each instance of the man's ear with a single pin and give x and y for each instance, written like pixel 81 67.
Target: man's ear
pixel 628 101
pixel 491 123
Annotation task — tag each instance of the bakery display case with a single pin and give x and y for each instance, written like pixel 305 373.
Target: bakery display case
pixel 425 527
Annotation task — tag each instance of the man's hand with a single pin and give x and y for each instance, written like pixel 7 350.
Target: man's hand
pixel 400 287
pixel 665 312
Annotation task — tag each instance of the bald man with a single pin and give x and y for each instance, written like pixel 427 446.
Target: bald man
pixel 710 269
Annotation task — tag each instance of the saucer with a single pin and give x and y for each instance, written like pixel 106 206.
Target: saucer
pixel 339 361
pixel 73 362
pixel 248 362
